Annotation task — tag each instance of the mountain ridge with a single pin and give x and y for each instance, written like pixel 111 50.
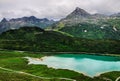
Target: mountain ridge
pixel 78 12
pixel 80 16
pixel 16 23
pixel 98 26
pixel 82 24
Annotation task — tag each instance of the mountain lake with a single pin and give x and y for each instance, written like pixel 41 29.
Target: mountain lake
pixel 90 65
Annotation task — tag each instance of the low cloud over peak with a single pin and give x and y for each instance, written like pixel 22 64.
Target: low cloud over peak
pixel 55 9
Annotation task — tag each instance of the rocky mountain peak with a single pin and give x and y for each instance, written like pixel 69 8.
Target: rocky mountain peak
pixel 4 20
pixel 32 17
pixel 78 13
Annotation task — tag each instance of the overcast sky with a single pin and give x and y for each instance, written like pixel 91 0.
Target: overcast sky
pixel 55 9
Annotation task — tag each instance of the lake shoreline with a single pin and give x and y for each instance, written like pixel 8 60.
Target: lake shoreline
pixel 52 53
pixel 76 53
pixel 37 60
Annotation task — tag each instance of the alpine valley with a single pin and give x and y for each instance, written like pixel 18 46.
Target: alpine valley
pixel 78 44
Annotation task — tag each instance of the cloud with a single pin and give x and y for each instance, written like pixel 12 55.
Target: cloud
pixel 101 6
pixel 55 9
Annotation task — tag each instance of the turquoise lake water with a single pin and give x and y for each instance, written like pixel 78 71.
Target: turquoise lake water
pixel 90 65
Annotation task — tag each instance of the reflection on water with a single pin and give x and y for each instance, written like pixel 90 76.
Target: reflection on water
pixel 91 65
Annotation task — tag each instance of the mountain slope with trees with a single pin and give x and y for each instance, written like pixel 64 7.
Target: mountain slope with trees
pixel 36 39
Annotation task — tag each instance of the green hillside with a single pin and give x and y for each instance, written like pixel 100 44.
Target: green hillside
pixel 36 39
pixel 93 31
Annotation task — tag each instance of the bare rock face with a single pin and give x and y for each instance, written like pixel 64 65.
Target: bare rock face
pixel 78 12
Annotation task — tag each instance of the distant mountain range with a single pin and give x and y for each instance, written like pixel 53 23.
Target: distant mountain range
pixel 24 21
pixel 78 23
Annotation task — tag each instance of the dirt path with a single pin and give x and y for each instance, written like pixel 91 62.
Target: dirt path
pixel 10 70
pixel 118 79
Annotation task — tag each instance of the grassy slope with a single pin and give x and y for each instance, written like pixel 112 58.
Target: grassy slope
pixel 93 31
pixel 9 76
pixel 109 76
